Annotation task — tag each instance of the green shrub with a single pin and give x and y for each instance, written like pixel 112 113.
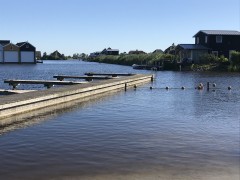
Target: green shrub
pixel 235 57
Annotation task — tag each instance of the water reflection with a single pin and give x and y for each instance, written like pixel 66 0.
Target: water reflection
pixel 39 116
pixel 142 134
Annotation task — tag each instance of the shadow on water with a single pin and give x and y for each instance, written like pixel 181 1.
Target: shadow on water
pixel 39 116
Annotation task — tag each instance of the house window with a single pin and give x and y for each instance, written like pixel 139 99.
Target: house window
pixel 197 40
pixel 218 39
pixel 215 53
pixel 206 39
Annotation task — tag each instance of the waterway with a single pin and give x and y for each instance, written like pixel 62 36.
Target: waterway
pixel 137 134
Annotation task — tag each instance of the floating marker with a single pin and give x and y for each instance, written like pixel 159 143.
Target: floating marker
pixel 182 87
pixel 229 87
pixel 214 84
pixel 151 87
pixel 200 86
pixel 167 88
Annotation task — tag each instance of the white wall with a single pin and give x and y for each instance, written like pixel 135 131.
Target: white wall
pixel 27 57
pixel 10 56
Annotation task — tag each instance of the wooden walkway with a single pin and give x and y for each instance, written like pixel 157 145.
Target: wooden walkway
pixel 109 74
pixel 15 104
pixel 87 78
pixel 48 84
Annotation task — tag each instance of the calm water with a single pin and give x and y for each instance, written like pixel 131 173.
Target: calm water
pixel 138 134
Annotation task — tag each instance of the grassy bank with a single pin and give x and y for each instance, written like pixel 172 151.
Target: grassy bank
pixel 208 62
pixel 130 59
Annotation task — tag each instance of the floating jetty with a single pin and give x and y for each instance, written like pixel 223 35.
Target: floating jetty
pixel 87 78
pixel 15 104
pixel 48 84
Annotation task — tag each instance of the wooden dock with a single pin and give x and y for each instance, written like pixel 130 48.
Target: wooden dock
pixel 16 104
pixel 48 84
pixel 9 92
pixel 109 74
pixel 87 78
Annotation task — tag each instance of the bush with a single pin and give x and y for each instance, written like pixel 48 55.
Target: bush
pixel 235 58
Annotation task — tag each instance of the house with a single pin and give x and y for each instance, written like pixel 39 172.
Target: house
pixel 11 53
pixel 2 44
pixel 191 53
pixel 27 52
pixel 170 50
pixel 136 52
pixel 110 51
pixel 221 42
pixel 57 56
pixel 158 51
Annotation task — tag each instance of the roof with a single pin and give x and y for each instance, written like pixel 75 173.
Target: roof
pixel 112 50
pixel 4 42
pixel 192 46
pixel 219 32
pixel 21 43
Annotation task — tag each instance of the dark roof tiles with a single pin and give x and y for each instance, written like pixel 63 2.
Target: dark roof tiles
pixel 193 46
pixel 219 32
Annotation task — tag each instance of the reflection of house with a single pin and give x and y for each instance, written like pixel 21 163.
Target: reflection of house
pixel 110 51
pixel 27 52
pixel 191 52
pixel 220 42
pixel 136 52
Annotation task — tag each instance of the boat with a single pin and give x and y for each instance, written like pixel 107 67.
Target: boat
pixel 147 67
pixel 136 66
pixel 39 61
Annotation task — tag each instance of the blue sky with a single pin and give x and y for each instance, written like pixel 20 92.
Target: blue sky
pixel 84 26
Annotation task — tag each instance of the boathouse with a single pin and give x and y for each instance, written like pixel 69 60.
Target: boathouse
pixel 11 53
pixel 2 44
pixel 27 52
pixel 22 52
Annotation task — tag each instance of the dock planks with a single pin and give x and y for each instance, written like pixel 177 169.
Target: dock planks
pixel 109 74
pixel 48 84
pixel 87 78
pixel 15 104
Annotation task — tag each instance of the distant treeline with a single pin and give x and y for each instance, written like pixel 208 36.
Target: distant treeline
pixel 209 62
pixel 130 59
